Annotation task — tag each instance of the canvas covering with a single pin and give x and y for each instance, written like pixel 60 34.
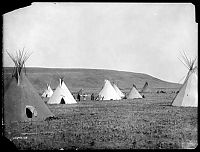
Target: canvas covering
pixel 18 97
pixel 133 94
pixel 120 93
pixel 61 92
pixel 188 94
pixel 108 92
pixel 48 92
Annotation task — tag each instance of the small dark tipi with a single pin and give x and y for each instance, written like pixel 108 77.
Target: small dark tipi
pixel 21 101
pixel 146 88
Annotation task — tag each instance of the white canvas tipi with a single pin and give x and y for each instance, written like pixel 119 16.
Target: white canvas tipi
pixel 188 94
pixel 108 92
pixel 120 93
pixel 48 92
pixel 61 95
pixel 133 93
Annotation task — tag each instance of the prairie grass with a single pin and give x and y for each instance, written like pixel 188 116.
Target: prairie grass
pixel 149 123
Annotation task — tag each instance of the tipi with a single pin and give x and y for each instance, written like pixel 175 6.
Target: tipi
pixel 120 93
pixel 108 92
pixel 133 93
pixel 146 88
pixel 188 94
pixel 80 91
pixel 21 101
pixel 48 92
pixel 61 95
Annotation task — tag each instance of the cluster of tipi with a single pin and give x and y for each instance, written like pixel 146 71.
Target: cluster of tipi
pixel 62 95
pixel 22 102
pixel 110 92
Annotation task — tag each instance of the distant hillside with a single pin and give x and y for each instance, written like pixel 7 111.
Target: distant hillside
pixel 91 80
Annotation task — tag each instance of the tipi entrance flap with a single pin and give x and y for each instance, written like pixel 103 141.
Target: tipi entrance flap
pixel 30 111
pixel 62 101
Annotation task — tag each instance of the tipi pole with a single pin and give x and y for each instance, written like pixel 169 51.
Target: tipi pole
pixel 36 134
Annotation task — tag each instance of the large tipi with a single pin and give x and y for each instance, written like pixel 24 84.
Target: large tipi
pixel 108 92
pixel 145 88
pixel 61 95
pixel 21 101
pixel 120 93
pixel 48 92
pixel 133 93
pixel 188 94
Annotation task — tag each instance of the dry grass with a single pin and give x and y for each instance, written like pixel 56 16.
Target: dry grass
pixel 128 124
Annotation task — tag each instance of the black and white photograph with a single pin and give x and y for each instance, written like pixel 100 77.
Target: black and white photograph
pixel 100 76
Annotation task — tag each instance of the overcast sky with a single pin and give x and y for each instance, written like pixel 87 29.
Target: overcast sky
pixel 142 38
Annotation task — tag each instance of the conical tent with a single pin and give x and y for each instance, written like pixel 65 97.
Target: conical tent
pixel 188 93
pixel 48 92
pixel 108 92
pixel 146 88
pixel 61 95
pixel 120 93
pixel 80 91
pixel 133 93
pixel 21 101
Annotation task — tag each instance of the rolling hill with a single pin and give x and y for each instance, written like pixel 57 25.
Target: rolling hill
pixel 91 80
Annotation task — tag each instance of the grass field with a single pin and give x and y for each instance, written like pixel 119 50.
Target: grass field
pixel 150 122
pixel 127 124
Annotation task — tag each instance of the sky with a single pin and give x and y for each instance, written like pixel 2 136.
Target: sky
pixel 135 37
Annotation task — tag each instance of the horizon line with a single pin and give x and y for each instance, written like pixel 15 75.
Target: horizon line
pixel 94 69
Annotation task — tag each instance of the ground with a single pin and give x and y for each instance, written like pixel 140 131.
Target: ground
pixel 127 124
